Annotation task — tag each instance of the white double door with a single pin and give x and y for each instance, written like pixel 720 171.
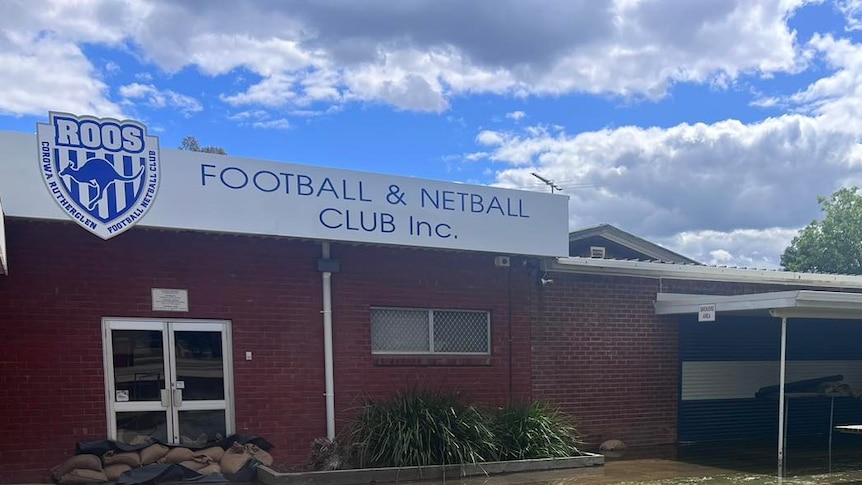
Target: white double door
pixel 168 380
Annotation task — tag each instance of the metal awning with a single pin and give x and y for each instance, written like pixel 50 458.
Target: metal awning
pixel 4 267
pixel 780 304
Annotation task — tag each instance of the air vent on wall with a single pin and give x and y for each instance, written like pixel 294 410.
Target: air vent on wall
pixel 597 252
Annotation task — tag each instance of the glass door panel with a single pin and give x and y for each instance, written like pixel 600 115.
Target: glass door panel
pixel 199 365
pixel 139 365
pixel 137 374
pixel 168 380
pixel 136 426
pixel 202 427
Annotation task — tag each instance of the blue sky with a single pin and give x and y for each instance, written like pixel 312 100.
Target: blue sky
pixel 708 126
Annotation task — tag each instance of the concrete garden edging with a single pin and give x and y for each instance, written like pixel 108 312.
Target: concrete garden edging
pixel 268 476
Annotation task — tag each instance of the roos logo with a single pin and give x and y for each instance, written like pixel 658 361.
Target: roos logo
pixel 103 173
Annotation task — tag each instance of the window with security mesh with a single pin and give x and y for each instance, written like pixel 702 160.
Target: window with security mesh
pixel 421 331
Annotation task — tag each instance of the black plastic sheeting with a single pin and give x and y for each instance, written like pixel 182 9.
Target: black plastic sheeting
pixel 171 473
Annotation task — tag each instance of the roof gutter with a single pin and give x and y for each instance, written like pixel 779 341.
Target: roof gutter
pixel 647 269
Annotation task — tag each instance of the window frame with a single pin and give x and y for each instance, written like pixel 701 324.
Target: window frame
pixel 430 350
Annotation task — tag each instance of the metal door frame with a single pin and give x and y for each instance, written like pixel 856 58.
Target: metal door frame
pixel 167 327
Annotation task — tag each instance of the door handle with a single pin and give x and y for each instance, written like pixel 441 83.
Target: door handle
pixel 178 398
pixel 164 396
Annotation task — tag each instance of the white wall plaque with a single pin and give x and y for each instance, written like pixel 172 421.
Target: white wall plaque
pixel 706 313
pixel 170 300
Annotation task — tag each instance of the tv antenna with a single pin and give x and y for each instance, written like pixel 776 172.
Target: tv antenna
pixel 549 183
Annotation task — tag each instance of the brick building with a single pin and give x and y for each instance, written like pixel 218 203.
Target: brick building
pixel 218 307
pixel 186 296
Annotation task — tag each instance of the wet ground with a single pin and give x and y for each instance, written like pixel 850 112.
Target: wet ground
pixel 808 463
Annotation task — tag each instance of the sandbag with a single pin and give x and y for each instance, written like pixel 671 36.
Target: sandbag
pixel 234 459
pixel 197 462
pixel 177 455
pixel 78 462
pixel 258 454
pixel 193 465
pixel 131 458
pixel 80 476
pixel 113 472
pixel 214 453
pixel 210 469
pixel 153 453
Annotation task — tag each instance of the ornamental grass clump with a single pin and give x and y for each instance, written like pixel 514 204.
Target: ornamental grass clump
pixel 529 430
pixel 418 428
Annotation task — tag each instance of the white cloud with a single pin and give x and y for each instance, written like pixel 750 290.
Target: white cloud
pixel 47 73
pixel 164 98
pixel 472 157
pixel 112 67
pixel 516 115
pixel 421 54
pixel 720 256
pixel 703 177
pixel 247 115
pixel 852 11
pixel 490 138
pixel 279 124
pixel 260 119
pixel 749 248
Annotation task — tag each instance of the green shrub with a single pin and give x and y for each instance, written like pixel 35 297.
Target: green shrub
pixel 420 427
pixel 417 428
pixel 526 430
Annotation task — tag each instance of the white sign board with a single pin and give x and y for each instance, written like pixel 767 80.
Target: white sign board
pixel 170 300
pixel 706 313
pixel 4 268
pixel 200 191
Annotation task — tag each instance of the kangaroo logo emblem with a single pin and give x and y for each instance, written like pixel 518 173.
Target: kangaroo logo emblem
pixel 98 173
pixel 104 173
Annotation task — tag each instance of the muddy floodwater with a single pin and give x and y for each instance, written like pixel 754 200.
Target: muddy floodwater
pixel 808 463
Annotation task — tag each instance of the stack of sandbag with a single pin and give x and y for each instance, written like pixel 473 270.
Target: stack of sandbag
pixel 237 456
pixel 80 469
pixel 116 463
pixel 205 462
pixel 88 468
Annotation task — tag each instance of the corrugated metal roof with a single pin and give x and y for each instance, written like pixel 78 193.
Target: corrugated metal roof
pixel 655 269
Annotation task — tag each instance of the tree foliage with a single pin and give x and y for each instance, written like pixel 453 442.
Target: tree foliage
pixel 833 244
pixel 191 143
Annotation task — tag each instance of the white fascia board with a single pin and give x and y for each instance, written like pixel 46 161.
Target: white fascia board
pixel 4 266
pixel 680 304
pixel 787 304
pixel 646 269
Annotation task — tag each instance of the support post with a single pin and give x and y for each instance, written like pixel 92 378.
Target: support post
pixel 327 346
pixel 781 417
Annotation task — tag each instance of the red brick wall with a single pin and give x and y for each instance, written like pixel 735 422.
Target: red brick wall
pixel 63 281
pixel 601 353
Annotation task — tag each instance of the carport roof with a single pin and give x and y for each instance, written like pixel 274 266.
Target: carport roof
pixel 779 304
